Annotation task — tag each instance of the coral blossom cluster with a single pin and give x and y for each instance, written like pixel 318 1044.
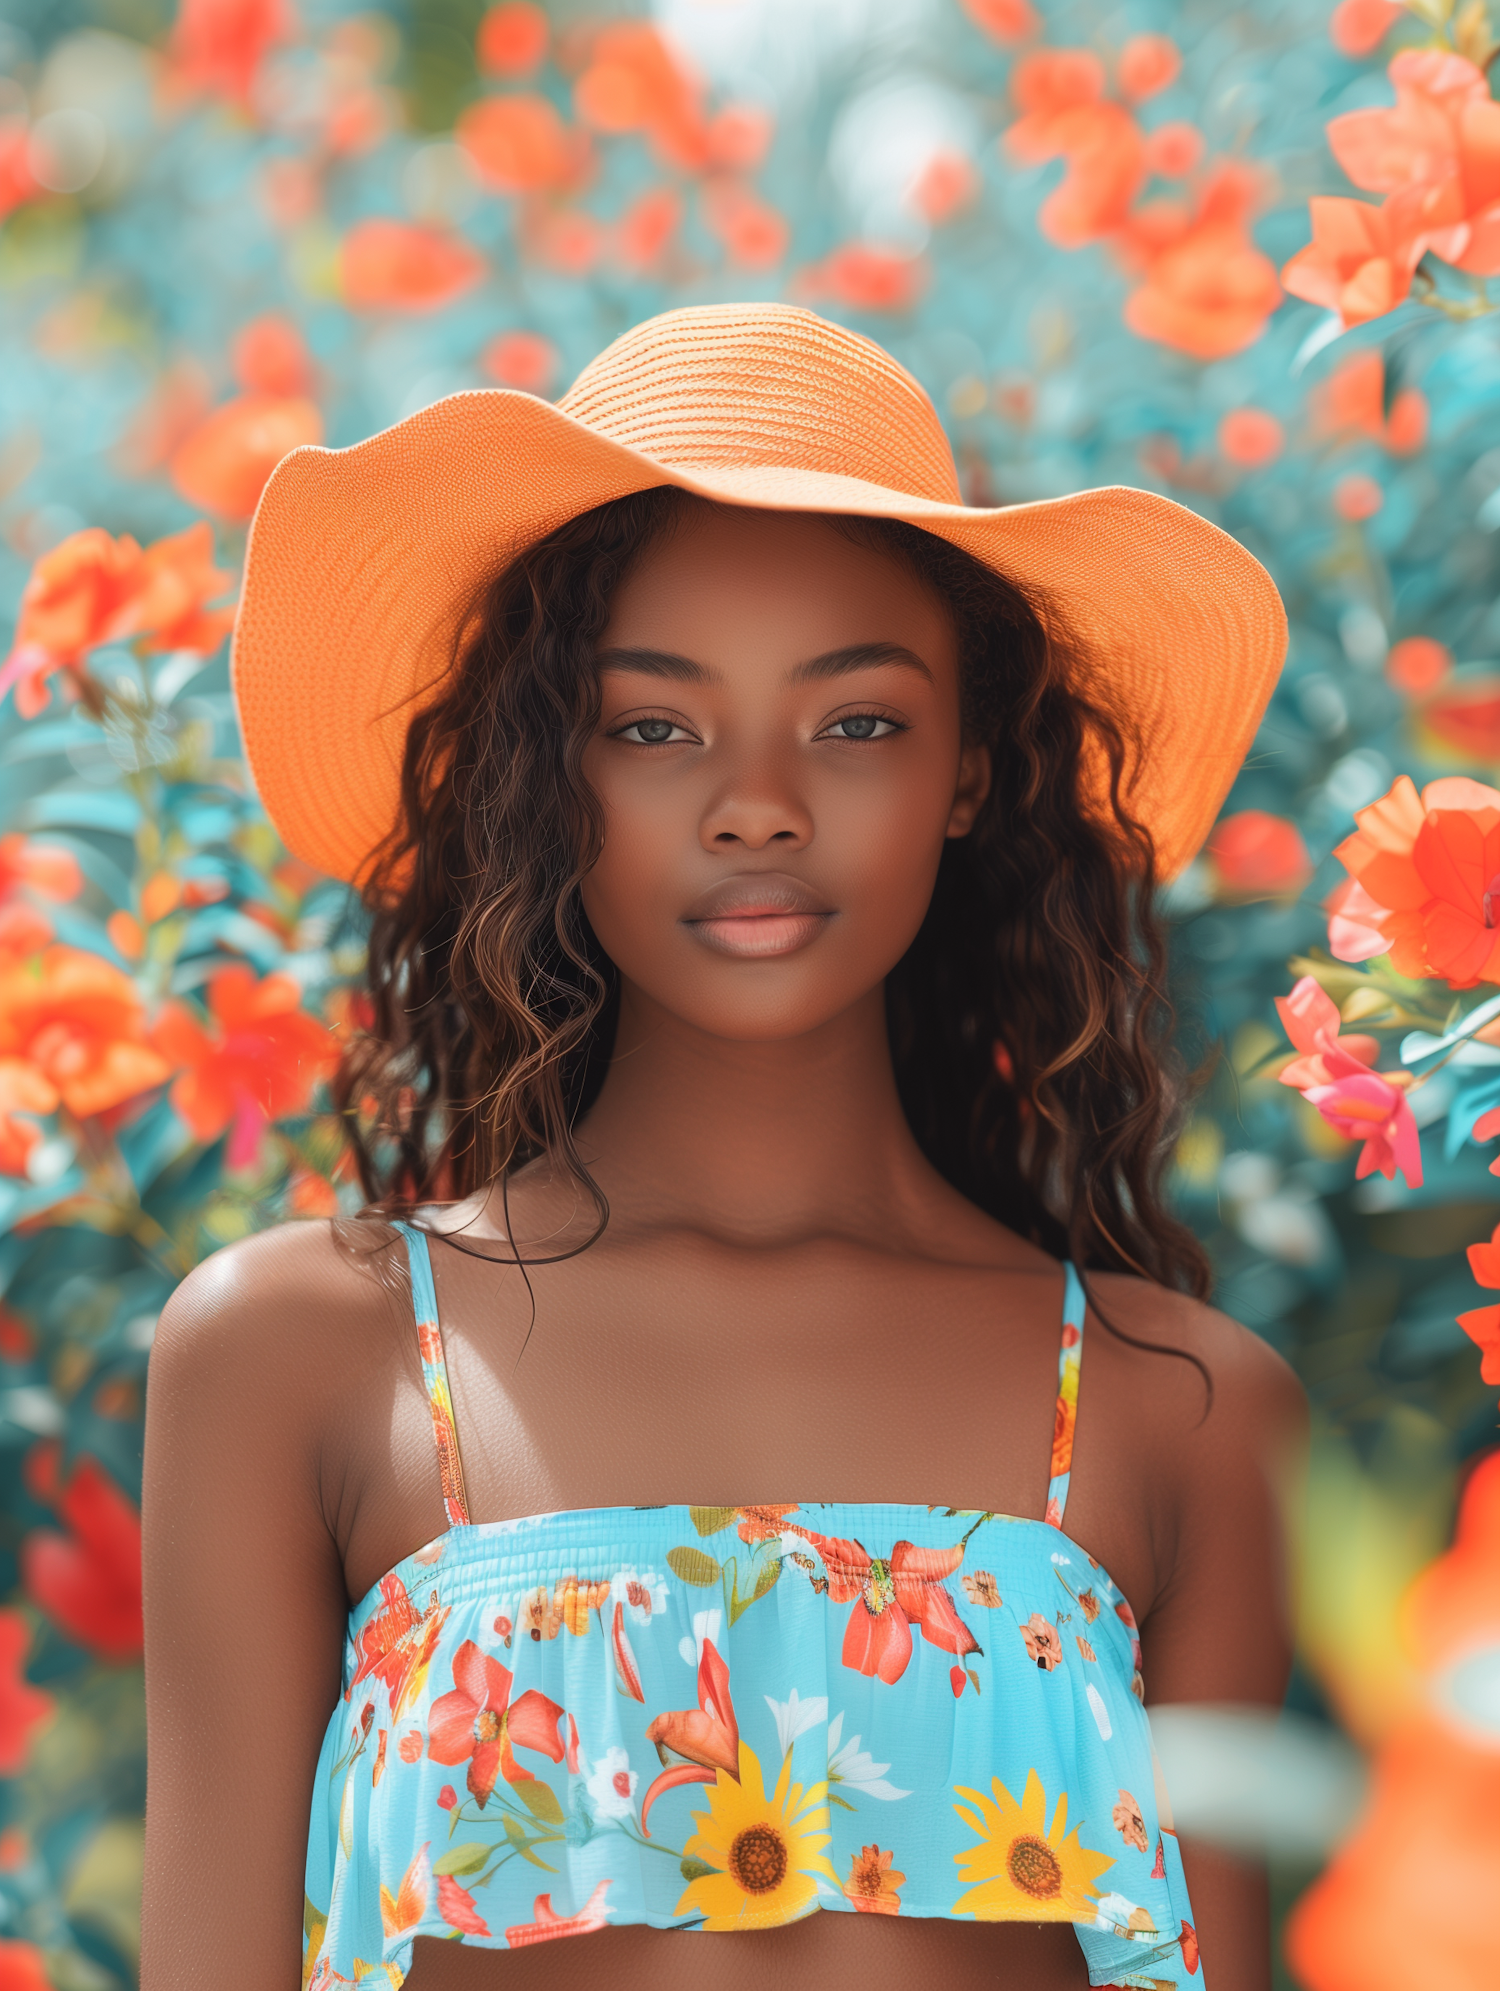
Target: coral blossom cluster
pixel 1435 155
pixel 1202 285
pixel 94 588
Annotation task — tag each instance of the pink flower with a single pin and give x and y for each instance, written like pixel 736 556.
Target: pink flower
pixel 447 1798
pixel 1355 921
pixel 1366 1106
pixel 1311 1019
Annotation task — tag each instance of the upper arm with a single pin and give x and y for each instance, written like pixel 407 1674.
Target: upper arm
pixel 1220 1627
pixel 245 1606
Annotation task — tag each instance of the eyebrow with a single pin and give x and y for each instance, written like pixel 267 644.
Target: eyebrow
pixel 832 663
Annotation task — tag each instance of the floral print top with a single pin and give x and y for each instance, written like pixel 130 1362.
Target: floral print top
pixel 729 1717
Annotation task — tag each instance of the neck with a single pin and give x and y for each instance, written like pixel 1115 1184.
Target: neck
pixel 779 1139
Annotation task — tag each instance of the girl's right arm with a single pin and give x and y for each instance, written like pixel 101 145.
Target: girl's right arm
pixel 245 1605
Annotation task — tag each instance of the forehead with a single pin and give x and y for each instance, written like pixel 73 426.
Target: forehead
pixel 787 583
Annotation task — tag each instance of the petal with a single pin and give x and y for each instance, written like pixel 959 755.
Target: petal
pixel 450 1728
pixel 877 1645
pixel 533 1723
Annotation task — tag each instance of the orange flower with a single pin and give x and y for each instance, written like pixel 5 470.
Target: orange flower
pixel 22 1967
pixel 24 1090
pixel 521 359
pixel 1043 1644
pixel 270 357
pixel 1250 438
pixel 177 578
pixel 866 278
pixel 646 229
pixel 1409 1898
pixel 1418 663
pixel 871 1885
pixel 948 183
pixel 520 145
pixel 1206 289
pixel 1360 260
pixel 635 82
pixel 1129 1823
pixel 890 1594
pixel 754 233
pixel 79 1022
pixel 479 1724
pixel 404 266
pixel 219 45
pixel 512 38
pixel 43 868
pixel 707 1737
pixel 1006 20
pixel 1465 717
pixel 1441 142
pixel 1356 27
pixel 1148 64
pixel 223 464
pixel 1259 856
pixel 1431 862
pixel 259 1063
pixel 1352 402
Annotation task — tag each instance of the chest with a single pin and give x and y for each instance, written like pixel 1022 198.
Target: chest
pixel 688 1374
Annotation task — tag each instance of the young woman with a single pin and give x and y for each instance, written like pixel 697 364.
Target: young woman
pixel 765 1100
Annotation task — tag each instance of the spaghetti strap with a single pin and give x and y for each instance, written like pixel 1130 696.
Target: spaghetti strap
pixel 1069 1362
pixel 435 1376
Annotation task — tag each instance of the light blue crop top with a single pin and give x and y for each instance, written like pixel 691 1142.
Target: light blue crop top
pixel 726 1718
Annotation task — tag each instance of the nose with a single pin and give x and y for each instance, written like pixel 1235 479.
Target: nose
pixel 756 808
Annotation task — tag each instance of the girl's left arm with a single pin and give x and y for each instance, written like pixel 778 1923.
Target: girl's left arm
pixel 1220 1628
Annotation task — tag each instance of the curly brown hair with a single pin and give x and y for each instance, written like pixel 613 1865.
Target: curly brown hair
pixel 1029 1030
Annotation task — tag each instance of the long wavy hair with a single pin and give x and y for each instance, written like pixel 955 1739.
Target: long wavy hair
pixel 1028 1024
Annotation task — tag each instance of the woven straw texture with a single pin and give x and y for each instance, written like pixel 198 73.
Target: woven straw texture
pixel 362 561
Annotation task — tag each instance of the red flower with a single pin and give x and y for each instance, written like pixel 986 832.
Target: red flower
pixel 521 359
pixel 520 145
pixel 21 1967
pixel 218 45
pixel 270 357
pixel 1148 64
pixel 404 266
pixel 22 1706
pixel 866 278
pixel 477 1723
pixel 1356 27
pixel 1006 20
pixel 512 38
pixel 396 1645
pixel 634 82
pixel 889 1597
pixel 89 1580
pixel 259 1063
pixel 1352 402
pixel 708 1735
pixel 224 463
pixel 1250 438
pixel 1258 855
pixel 1372 1108
pixel 1431 864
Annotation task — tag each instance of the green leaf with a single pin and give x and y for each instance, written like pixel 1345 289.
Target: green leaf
pixel 467 1858
pixel 709 1520
pixel 540 1800
pixel 696 1869
pixel 527 1854
pixel 694 1567
pixel 515 1831
pixel 834 1798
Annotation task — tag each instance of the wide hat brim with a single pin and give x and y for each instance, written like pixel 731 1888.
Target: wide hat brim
pixel 363 562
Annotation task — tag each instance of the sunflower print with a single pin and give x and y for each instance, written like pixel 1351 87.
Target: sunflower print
pixel 1022 1870
pixel 764 1851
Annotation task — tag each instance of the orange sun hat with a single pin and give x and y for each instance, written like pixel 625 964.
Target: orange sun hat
pixel 364 562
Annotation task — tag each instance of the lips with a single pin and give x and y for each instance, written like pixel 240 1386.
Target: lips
pixel 758 915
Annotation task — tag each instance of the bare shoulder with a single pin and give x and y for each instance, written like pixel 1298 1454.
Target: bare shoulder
pixel 296 1293
pixel 1244 1386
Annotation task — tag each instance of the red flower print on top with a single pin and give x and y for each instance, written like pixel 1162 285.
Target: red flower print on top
pixel 397 1646
pixel 889 1597
pixel 708 1735
pixel 478 1721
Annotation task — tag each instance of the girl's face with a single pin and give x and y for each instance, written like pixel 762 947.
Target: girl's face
pixel 779 758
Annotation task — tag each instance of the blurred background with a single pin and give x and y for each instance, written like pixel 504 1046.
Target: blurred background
pixel 234 226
